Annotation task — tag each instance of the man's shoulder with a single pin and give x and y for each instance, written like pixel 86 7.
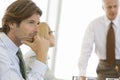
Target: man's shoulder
pixel 4 53
pixel 98 19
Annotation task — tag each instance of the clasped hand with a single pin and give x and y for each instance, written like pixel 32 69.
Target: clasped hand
pixel 40 46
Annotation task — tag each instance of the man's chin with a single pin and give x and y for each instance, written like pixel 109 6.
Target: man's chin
pixel 30 40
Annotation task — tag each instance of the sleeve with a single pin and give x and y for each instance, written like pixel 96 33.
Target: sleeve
pixel 35 69
pixel 86 50
pixel 37 72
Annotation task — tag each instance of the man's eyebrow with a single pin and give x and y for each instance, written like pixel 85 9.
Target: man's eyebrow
pixel 31 20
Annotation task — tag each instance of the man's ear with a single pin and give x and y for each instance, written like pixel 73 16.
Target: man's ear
pixel 12 25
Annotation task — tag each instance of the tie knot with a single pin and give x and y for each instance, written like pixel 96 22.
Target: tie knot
pixel 19 53
pixel 111 26
pixel 111 23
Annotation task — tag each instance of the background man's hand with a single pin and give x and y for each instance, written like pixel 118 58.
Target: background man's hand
pixel 82 78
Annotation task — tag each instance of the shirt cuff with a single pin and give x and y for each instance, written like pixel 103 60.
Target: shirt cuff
pixel 39 67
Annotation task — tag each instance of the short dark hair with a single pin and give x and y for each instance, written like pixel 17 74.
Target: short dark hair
pixel 18 11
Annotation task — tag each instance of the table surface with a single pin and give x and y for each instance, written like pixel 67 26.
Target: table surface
pixel 94 78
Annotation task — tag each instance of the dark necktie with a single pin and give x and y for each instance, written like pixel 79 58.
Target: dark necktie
pixel 110 45
pixel 21 64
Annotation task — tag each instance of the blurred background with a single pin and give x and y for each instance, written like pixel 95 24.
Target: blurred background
pixel 69 19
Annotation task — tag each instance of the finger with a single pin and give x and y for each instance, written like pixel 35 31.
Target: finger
pixel 37 37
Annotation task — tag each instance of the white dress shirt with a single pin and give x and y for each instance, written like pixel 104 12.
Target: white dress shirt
pixel 9 62
pixel 96 35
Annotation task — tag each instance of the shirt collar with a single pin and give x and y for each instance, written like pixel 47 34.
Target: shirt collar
pixel 8 43
pixel 115 21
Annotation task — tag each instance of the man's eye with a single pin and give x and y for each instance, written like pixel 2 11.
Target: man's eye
pixel 51 32
pixel 38 23
pixel 31 22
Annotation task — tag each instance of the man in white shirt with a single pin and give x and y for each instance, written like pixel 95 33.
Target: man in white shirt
pixel 96 35
pixel 20 26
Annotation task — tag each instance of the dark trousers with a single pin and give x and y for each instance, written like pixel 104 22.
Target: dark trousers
pixel 104 70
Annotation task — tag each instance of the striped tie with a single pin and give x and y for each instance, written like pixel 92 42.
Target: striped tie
pixel 21 63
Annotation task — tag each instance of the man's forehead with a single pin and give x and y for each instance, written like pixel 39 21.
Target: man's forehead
pixel 35 18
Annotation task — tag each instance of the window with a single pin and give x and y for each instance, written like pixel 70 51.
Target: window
pixel 75 16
